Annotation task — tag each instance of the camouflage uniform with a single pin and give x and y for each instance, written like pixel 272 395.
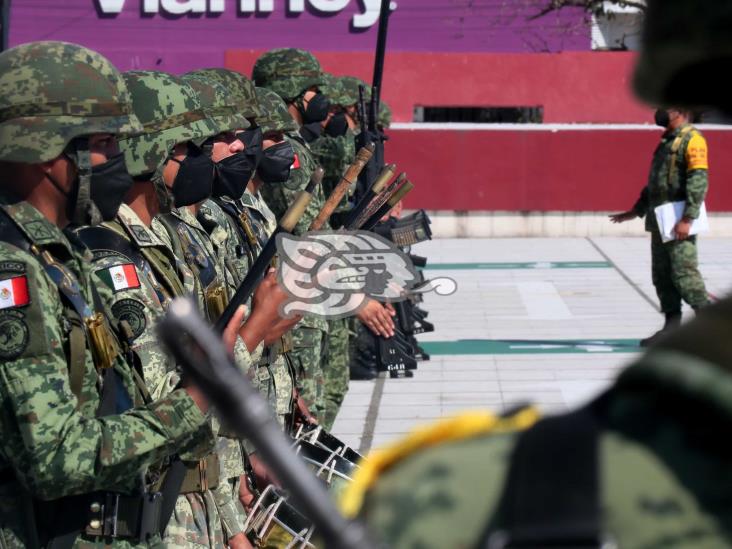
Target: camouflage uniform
pixel 182 231
pixel 335 155
pixel 310 335
pixel 678 172
pixel 127 243
pixel 58 438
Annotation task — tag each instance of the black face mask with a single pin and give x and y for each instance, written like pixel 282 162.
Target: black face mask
pixel 194 181
pixel 310 132
pixel 318 108
pixel 232 175
pixel 109 185
pixel 276 163
pixel 252 140
pixel 337 125
pixel 662 118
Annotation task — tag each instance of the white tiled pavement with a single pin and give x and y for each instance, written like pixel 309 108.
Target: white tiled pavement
pixel 538 303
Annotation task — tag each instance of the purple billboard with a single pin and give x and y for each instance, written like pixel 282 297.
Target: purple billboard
pixel 179 35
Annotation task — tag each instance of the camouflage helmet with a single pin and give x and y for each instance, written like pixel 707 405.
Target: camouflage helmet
pixel 220 108
pixel 171 113
pixel 287 71
pixel 276 116
pixel 334 90
pixel 52 92
pixel 350 86
pixel 238 86
pixel 384 118
pixel 686 45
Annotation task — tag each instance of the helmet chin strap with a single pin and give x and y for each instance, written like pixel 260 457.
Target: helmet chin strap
pixel 165 199
pixel 84 212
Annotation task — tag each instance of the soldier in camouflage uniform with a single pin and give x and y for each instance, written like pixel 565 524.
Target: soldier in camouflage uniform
pixel 658 455
pixel 335 151
pixel 214 281
pixel 68 451
pixel 295 76
pixel 145 276
pixel 678 172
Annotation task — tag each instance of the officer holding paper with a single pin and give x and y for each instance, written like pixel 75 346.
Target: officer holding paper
pixel 678 173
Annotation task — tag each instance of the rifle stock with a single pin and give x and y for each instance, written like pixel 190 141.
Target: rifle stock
pixel 403 191
pixel 378 201
pixel 379 183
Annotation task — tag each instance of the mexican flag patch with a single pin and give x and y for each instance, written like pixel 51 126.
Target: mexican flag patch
pixel 120 277
pixel 296 163
pixel 14 292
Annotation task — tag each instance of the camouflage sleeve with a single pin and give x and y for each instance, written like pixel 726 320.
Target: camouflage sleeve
pixel 135 304
pixel 641 205
pixel 52 448
pixel 230 511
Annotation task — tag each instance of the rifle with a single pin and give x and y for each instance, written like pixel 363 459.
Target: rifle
pixel 387 172
pixel 203 357
pixel 381 199
pixel 403 191
pixel 348 178
pixel 286 224
pixel 370 130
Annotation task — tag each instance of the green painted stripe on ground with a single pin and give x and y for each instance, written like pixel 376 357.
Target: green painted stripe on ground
pixel 524 346
pixel 520 265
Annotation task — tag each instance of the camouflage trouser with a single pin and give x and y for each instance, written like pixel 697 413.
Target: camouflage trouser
pixel 307 354
pixel 283 388
pixel 336 370
pixel 676 273
pixel 195 523
pixel 231 463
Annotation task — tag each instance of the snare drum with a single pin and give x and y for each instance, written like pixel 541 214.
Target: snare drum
pixel 333 469
pixel 275 524
pixel 317 436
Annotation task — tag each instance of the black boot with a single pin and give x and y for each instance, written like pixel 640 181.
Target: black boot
pixel 673 320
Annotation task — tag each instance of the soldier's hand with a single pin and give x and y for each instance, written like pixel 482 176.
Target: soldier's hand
pixel 280 328
pixel 265 312
pixel 623 217
pixel 682 229
pixel 302 412
pixel 239 541
pixel 377 318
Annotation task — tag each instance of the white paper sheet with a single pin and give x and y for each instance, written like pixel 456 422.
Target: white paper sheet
pixel 669 214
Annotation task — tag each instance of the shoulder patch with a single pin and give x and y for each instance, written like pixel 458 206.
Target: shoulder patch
pixel 697 154
pixel 38 231
pixel 141 234
pixel 296 163
pixel 7 267
pixel 14 292
pixel 133 313
pixel 14 334
pixel 120 277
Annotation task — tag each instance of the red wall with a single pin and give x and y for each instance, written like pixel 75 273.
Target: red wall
pixel 597 170
pixel 571 86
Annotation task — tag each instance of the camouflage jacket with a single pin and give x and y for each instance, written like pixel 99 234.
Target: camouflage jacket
pixel 279 197
pixel 662 453
pixel 53 444
pixel 190 241
pixel 679 171
pixel 335 155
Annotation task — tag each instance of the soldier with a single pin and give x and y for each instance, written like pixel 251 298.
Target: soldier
pixel 145 276
pixel 295 76
pixel 73 465
pixel 643 465
pixel 678 172
pixel 214 281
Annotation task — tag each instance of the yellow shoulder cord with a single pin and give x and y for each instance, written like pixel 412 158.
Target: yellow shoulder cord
pixel 675 146
pixel 465 426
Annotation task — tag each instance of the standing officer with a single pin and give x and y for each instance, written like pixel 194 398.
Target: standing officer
pixel 644 465
pixel 678 172
pixel 73 464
